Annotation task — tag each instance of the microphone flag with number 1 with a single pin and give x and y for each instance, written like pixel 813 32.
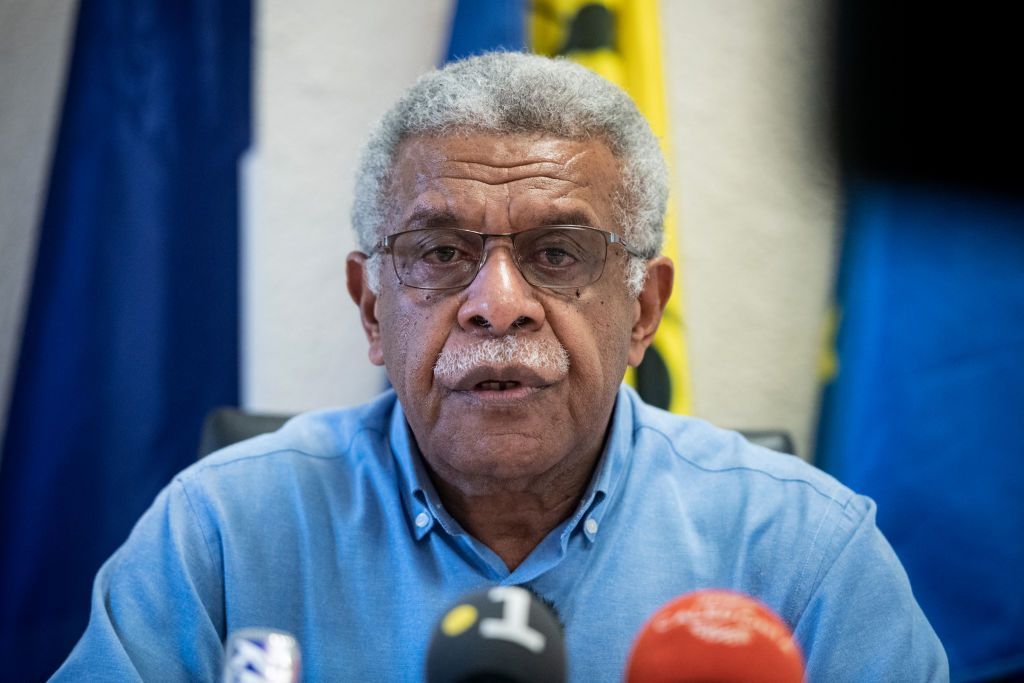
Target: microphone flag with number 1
pixel 504 633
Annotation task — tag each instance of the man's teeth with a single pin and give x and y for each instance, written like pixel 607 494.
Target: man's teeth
pixel 496 385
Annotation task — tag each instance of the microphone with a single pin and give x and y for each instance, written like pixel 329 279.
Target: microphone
pixel 715 636
pixel 260 655
pixel 503 634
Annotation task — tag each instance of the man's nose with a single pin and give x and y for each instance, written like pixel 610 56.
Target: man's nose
pixel 499 300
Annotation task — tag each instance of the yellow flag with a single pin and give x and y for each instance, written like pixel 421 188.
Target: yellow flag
pixel 621 40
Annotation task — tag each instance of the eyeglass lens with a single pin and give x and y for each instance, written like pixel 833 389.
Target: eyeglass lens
pixel 443 258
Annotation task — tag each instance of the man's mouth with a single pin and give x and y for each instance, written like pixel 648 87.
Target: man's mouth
pixel 491 378
pixel 502 393
pixel 496 385
pixel 501 386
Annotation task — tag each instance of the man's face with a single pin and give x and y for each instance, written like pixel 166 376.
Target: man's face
pixel 501 421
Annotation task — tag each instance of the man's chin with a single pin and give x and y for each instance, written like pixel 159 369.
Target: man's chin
pixel 478 445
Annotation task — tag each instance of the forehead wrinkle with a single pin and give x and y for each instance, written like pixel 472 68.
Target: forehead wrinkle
pixel 547 186
pixel 518 178
pixel 447 204
pixel 495 167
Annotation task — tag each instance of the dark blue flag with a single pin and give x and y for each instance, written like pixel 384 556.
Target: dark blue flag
pixel 926 414
pixel 132 329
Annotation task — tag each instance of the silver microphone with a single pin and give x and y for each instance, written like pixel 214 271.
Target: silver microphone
pixel 260 655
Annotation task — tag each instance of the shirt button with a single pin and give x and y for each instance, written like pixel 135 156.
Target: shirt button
pixel 422 519
pixel 591 526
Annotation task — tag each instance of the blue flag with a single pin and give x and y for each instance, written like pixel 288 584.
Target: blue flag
pixel 485 25
pixel 926 414
pixel 131 334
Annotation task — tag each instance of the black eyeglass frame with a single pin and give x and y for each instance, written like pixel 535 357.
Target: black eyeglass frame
pixel 385 246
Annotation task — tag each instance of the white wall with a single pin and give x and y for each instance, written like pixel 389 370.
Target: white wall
pixel 756 196
pixel 34 41
pixel 326 71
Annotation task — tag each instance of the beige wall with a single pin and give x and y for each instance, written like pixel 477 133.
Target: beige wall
pixel 755 193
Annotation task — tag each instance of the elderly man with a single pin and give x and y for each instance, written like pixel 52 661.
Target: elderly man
pixel 509 210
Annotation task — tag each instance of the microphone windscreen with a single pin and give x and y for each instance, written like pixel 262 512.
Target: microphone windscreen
pixel 503 634
pixel 715 636
pixel 259 655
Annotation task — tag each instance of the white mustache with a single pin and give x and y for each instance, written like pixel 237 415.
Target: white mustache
pixel 540 355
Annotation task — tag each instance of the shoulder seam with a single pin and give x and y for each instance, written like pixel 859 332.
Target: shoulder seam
pixel 198 519
pixel 276 451
pixel 805 565
pixel 825 494
pixel 812 591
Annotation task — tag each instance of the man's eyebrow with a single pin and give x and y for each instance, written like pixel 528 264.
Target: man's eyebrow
pixel 425 217
pixel 566 218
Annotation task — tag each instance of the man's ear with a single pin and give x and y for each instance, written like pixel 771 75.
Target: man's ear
pixel 366 299
pixel 650 304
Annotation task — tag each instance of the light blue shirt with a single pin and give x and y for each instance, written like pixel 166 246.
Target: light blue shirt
pixel 330 529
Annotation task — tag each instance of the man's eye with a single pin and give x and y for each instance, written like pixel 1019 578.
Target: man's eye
pixel 553 256
pixel 442 254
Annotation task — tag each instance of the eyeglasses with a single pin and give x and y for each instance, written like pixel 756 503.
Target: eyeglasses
pixel 449 258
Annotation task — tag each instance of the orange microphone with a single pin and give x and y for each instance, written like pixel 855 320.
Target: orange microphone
pixel 715 636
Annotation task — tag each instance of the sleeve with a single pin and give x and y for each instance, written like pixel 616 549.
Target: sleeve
pixel 157 603
pixel 862 622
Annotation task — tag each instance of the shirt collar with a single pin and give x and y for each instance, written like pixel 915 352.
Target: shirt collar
pixel 609 472
pixel 423 505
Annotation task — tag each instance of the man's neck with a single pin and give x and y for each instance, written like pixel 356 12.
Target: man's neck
pixel 510 522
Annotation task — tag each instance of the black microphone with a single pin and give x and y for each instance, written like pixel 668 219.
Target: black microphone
pixel 503 634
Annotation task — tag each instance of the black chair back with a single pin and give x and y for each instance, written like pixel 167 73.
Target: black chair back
pixel 225 426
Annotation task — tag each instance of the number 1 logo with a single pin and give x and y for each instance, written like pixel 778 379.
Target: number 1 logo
pixel 514 624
